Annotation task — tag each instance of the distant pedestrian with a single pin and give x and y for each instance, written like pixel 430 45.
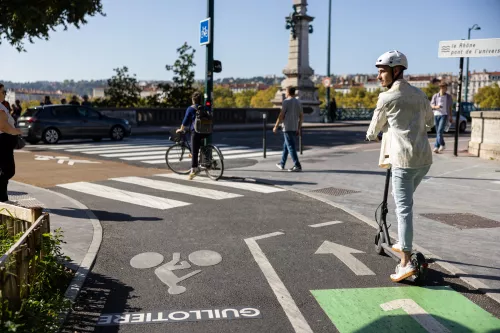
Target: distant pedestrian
pixel 86 101
pixel 74 100
pixel 47 101
pixel 333 109
pixel 16 110
pixel 64 101
pixel 291 117
pixel 441 103
pixel 8 140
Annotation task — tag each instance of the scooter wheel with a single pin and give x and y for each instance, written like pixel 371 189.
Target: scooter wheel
pixel 379 240
pixel 418 260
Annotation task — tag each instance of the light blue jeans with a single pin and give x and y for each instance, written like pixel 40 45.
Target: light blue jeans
pixel 404 183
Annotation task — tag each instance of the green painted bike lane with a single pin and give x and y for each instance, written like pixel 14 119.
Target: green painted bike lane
pixel 405 309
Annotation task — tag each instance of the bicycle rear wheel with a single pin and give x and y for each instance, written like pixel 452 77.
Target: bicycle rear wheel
pixel 212 162
pixel 178 158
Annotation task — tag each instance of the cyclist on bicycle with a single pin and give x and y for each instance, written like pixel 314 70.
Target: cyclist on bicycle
pixel 196 138
pixel 403 112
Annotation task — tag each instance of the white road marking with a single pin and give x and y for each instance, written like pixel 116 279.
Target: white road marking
pixel 124 196
pixel 142 158
pixel 282 294
pixel 177 188
pixel 142 152
pixel 250 155
pixel 239 151
pixel 104 148
pixel 319 225
pixel 344 253
pixel 453 171
pixel 238 185
pixel 122 150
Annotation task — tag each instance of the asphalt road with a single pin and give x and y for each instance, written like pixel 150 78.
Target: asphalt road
pixel 181 256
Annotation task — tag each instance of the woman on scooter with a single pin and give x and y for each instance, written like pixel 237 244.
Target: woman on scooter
pixel 403 114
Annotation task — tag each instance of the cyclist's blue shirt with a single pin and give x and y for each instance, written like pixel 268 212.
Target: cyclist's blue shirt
pixel 189 118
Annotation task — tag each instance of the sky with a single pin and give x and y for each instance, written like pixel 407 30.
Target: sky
pixel 251 39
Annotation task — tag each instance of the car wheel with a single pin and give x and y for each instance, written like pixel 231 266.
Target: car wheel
pixel 463 127
pixel 117 133
pixel 51 136
pixel 97 139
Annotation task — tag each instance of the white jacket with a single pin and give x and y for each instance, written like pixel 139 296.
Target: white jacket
pixel 404 114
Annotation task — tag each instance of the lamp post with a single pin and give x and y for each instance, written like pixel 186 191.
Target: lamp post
pixel 474 27
pixel 328 55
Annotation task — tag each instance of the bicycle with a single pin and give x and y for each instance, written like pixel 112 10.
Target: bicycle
pixel 178 157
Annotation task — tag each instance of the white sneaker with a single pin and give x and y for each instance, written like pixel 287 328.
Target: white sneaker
pixel 397 247
pixel 194 172
pixel 403 272
pixel 279 166
pixel 441 148
pixel 436 150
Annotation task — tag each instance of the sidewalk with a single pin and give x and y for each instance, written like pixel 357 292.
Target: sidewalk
pixel 153 130
pixel 82 231
pixel 456 213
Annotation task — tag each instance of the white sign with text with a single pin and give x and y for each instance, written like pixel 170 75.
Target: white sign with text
pixel 469 48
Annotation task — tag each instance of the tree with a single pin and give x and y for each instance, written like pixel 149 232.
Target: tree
pixel 223 97
pixel 262 98
pixel 179 93
pixel 122 89
pixel 431 90
pixel 31 19
pixel 244 99
pixel 488 97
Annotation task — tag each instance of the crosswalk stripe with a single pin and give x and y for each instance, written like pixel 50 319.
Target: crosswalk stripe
pixel 124 196
pixel 143 152
pixel 104 148
pixel 233 148
pixel 239 151
pixel 61 147
pixel 177 188
pixel 110 151
pixel 145 158
pixel 268 153
pixel 238 185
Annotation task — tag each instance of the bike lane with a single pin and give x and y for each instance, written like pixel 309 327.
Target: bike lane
pixel 254 262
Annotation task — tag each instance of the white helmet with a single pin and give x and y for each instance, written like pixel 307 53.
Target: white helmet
pixel 392 59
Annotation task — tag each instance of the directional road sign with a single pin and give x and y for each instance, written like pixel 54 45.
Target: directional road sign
pixel 469 48
pixel 205 31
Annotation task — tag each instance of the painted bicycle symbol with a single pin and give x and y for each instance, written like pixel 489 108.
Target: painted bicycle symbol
pixel 165 272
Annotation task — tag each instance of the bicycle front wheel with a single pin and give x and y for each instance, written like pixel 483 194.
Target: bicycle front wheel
pixel 178 158
pixel 213 162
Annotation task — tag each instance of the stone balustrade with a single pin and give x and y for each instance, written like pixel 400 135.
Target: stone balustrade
pixel 485 137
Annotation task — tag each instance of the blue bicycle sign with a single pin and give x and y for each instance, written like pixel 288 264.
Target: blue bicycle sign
pixel 205 32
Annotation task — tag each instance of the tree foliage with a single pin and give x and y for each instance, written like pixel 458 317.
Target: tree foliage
pixel 122 90
pixel 488 97
pixel 29 19
pixel 179 93
pixel 244 98
pixel 431 90
pixel 262 98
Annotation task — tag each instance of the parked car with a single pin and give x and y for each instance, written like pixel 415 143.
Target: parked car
pixel 462 127
pixel 52 123
pixel 467 108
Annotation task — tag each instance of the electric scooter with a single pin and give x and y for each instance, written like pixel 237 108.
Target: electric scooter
pixel 383 242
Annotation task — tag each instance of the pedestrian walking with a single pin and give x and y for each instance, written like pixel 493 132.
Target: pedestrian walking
pixel 16 110
pixel 86 101
pixel 47 101
pixel 74 100
pixel 291 117
pixel 442 104
pixel 8 140
pixel 403 114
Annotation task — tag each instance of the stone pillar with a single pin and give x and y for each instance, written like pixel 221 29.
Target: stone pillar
pixel 485 136
pixel 298 72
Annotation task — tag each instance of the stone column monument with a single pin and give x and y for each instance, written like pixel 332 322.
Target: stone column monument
pixel 298 72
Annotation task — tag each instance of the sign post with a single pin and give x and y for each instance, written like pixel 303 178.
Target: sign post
pixel 466 49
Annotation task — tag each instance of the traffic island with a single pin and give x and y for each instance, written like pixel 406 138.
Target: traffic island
pixel 485 137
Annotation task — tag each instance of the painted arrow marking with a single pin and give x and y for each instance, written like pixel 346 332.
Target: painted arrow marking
pixel 345 254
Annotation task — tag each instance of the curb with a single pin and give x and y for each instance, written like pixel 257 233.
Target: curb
pixel 235 129
pixel 452 269
pixel 78 280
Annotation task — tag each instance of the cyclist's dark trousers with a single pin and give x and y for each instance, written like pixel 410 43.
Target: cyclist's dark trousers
pixel 196 141
pixel 7 166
